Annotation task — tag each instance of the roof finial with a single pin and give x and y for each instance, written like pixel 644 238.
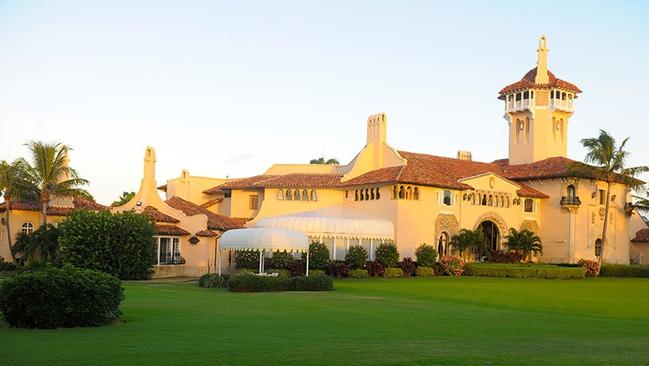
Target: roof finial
pixel 542 62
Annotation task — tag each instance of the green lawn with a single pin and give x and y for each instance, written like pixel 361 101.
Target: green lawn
pixel 443 320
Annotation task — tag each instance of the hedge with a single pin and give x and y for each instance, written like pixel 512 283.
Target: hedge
pixel 359 273
pixel 356 257
pixel 213 280
pixel 624 270
pixel 425 272
pixel 387 254
pixel 60 297
pixel 252 283
pixel 524 271
pixel 393 272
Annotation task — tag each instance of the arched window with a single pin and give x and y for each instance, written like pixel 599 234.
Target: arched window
pixel 356 198
pixel 367 194
pixel 296 195
pixel 484 199
pixel 527 129
pixel 27 228
pixel 442 244
pixel 409 193
pixel 394 192
pixel 598 247
pixel 305 195
pixel 519 130
pixel 491 200
pixel 448 198
pixel 361 195
pixel 378 194
pixel 372 194
pixel 289 195
pixel 502 201
pixel 571 192
pixel 280 195
pixel 402 192
pixel 314 196
pixel 529 205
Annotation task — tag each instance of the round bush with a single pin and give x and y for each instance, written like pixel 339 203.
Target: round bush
pixel 247 259
pixel 393 272
pixel 426 255
pixel 318 256
pixel 213 280
pixel 387 254
pixel 356 257
pixel 61 297
pixel 283 260
pixel 359 273
pixel 425 272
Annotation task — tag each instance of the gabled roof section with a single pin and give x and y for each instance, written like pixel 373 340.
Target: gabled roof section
pixel 241 183
pixel 214 221
pixel 642 236
pixel 157 216
pixel 528 82
pixel 172 230
pixel 78 203
pixel 301 180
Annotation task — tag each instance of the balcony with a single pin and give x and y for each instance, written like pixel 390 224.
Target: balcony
pixel 570 202
pixel 518 105
pixel 563 105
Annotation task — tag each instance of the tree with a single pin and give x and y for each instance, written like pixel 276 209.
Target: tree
pixel 469 240
pixel 323 161
pixel 609 165
pixel 43 243
pixel 49 175
pixel 426 255
pixel 318 255
pixel 524 241
pixel 123 199
pixel 12 187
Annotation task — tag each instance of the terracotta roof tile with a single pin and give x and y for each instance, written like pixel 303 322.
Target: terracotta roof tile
pixel 157 216
pixel 207 233
pixel 300 180
pixel 527 191
pixel 79 203
pixel 166 229
pixel 528 81
pixel 642 236
pixel 211 202
pixel 242 183
pixel 214 190
pixel 214 221
pixel 241 220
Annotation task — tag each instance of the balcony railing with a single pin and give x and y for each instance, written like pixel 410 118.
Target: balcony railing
pixel 570 201
pixel 518 105
pixel 167 259
pixel 564 105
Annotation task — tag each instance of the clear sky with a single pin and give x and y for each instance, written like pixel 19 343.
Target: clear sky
pixel 226 88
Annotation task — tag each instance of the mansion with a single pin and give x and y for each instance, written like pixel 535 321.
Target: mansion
pixel 386 194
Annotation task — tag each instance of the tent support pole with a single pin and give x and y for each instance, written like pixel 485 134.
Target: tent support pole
pixel 261 260
pixel 307 263
pixel 218 255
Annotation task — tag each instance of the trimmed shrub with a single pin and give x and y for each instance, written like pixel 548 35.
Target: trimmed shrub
pixel 317 272
pixel 298 268
pixel 501 256
pixel 393 272
pixel 311 283
pixel 544 271
pixel 408 267
pixel 387 254
pixel 338 269
pixel 451 266
pixel 318 256
pixel 253 283
pixel 356 257
pixel 280 272
pixel 246 259
pixel 283 260
pixel 624 270
pixel 592 267
pixel 6 266
pixel 121 244
pixel 426 255
pixel 61 297
pixel 213 280
pixel 358 273
pixel 425 272
pixel 375 269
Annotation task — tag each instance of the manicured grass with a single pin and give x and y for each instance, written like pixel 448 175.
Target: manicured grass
pixel 363 322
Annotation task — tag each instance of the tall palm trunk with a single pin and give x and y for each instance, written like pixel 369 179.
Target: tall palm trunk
pixel 605 226
pixel 7 215
pixel 44 212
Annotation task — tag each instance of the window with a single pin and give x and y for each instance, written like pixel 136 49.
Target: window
pixel 27 228
pixel 395 194
pixel 402 192
pixel 296 195
pixel 356 195
pixel 378 194
pixel 598 247
pixel 305 195
pixel 484 200
pixel 571 192
pixel 442 244
pixel 280 195
pixel 529 205
pixel 314 196
pixel 289 195
pixel 169 250
pixel 447 198
pixel 602 196
pixel 227 194
pixel 253 202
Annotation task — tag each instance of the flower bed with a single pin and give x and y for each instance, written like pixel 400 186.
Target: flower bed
pixel 545 271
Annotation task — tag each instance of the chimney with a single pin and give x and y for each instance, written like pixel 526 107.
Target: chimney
pixel 464 155
pixel 376 138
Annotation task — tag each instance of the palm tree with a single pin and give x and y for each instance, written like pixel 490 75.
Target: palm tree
pixel 123 199
pixel 641 203
pixel 323 161
pixel 468 240
pixel 609 165
pixel 524 241
pixel 49 175
pixel 12 187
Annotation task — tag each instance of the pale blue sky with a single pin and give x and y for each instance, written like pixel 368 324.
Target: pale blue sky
pixel 228 88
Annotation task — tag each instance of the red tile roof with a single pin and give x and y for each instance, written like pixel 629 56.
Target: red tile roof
pixel 241 220
pixel 300 180
pixel 642 236
pixel 166 229
pixel 241 183
pixel 214 190
pixel 214 221
pixel 528 81
pixel 207 233
pixel 527 191
pixel 157 216
pixel 79 203
pixel 211 202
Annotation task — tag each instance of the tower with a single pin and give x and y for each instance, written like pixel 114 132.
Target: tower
pixel 537 109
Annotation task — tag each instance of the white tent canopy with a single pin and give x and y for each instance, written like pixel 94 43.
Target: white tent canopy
pixel 263 239
pixel 333 222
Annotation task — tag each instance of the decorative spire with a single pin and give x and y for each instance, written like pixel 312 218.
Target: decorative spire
pixel 542 62
pixel 149 165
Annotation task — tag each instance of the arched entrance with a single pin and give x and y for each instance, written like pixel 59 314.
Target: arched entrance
pixel 443 244
pixel 491 232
